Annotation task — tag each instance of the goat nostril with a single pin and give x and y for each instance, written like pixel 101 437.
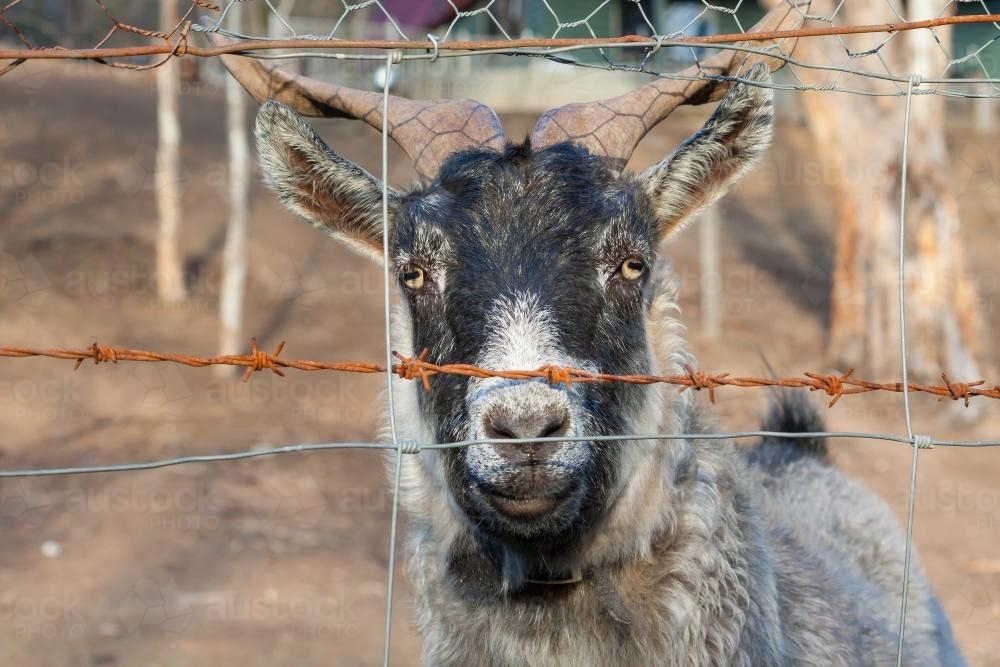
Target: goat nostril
pixel 504 426
pixel 498 431
pixel 556 428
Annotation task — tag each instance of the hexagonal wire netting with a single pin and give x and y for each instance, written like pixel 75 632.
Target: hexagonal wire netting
pixel 958 57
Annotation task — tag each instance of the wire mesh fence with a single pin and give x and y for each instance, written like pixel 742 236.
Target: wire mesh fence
pixel 861 49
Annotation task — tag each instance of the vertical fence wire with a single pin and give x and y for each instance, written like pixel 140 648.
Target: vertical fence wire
pixel 389 60
pixel 402 447
pixel 914 81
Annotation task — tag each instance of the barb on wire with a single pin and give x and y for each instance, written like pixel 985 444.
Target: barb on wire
pixel 419 368
pixel 255 360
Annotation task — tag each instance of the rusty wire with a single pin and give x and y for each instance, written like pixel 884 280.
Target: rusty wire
pixel 419 368
pixel 183 48
pixel 174 40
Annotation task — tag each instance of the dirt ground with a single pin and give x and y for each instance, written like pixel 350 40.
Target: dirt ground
pixel 283 559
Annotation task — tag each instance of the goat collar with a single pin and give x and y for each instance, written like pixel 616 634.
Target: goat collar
pixel 610 601
pixel 573 576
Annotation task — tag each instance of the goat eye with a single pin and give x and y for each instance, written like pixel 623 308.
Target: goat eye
pixel 413 276
pixel 632 268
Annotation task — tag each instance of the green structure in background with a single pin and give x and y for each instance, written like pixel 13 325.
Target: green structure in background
pixel 621 18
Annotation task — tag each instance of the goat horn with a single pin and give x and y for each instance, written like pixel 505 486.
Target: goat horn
pixel 613 128
pixel 428 131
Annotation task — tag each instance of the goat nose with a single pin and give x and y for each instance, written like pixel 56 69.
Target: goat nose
pixel 548 423
pixel 501 424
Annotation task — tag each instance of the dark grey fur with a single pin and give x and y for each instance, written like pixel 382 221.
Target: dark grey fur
pixel 688 552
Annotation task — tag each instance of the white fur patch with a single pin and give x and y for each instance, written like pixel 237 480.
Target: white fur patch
pixel 521 335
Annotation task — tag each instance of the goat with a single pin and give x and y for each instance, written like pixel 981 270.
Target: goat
pixel 542 547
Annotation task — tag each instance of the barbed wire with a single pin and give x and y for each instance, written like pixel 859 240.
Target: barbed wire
pixel 834 385
pixel 979 65
pixel 281 38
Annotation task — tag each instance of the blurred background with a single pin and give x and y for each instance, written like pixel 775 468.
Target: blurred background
pixel 131 214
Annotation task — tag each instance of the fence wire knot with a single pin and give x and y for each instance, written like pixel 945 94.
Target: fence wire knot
pixel 436 41
pixel 656 47
pixel 100 354
pixel 959 391
pixel 701 380
pixel 833 385
pixel 259 360
pixel 411 369
pixel 557 375
pixel 923 441
pixel 181 48
pixel 408 447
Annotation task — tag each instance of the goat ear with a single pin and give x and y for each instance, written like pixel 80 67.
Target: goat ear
pixel 704 167
pixel 330 192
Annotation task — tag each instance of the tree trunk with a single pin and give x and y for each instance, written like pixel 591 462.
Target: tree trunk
pixel 234 260
pixel 860 140
pixel 708 250
pixel 943 298
pixel 169 263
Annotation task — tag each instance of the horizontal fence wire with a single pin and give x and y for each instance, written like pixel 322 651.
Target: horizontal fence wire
pixel 418 368
pixel 129 43
pixel 977 67
pixel 412 447
pixel 182 46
